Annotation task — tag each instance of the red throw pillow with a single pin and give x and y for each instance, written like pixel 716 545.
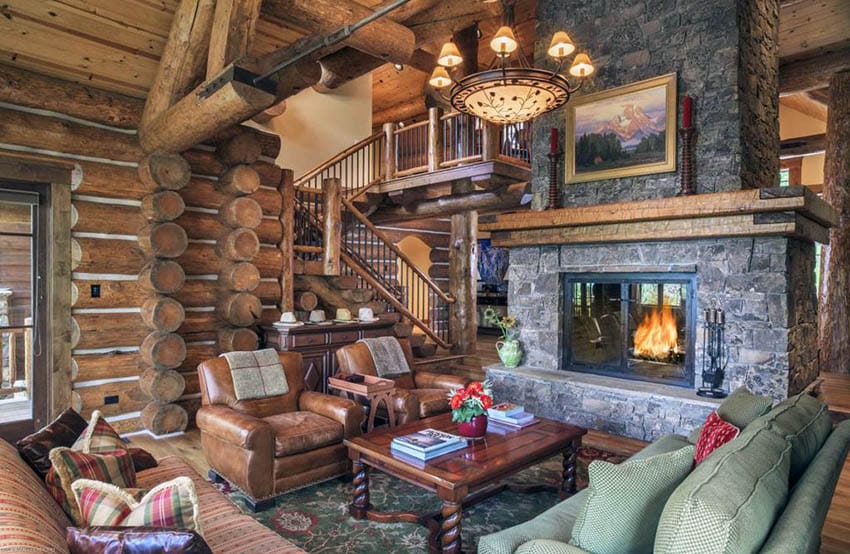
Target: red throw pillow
pixel 715 433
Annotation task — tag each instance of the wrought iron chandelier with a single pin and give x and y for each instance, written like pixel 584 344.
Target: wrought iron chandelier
pixel 511 92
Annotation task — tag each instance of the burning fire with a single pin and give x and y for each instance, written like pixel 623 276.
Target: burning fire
pixel 657 337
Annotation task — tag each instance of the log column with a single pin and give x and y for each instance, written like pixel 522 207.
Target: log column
pixel 237 307
pixel 463 260
pixel 834 309
pixel 161 240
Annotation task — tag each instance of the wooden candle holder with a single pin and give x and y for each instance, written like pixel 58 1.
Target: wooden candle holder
pixel 688 186
pixel 553 180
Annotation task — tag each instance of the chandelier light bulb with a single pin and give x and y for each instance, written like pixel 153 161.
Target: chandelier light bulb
pixel 504 42
pixel 582 67
pixel 439 78
pixel 449 55
pixel 561 46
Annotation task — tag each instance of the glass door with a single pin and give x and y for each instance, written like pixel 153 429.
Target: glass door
pixel 23 378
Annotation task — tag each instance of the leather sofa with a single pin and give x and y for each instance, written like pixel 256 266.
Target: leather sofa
pixel 31 521
pixel 418 393
pixel 268 446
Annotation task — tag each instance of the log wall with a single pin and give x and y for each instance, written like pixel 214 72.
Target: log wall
pixel 109 330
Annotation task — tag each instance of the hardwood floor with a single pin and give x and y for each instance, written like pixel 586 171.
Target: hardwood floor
pixel 835 391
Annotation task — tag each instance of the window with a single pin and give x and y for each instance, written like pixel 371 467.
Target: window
pixel 784 177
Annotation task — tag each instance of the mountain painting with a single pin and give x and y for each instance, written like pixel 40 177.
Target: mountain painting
pixel 624 131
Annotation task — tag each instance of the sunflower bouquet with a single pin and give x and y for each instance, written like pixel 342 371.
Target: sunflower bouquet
pixel 506 324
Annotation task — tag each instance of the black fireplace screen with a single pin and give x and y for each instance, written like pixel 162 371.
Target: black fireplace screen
pixel 637 326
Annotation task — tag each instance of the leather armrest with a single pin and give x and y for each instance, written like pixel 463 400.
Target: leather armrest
pixel 426 380
pixel 235 428
pixel 342 410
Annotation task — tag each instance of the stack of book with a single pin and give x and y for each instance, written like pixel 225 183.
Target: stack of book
pixel 511 416
pixel 427 444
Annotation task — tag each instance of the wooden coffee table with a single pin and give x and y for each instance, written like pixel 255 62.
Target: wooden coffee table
pixel 463 477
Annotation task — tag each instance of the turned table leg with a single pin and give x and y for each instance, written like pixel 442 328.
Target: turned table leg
pixel 568 485
pixel 450 529
pixel 360 506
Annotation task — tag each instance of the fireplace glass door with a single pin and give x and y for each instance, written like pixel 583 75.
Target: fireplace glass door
pixel 638 326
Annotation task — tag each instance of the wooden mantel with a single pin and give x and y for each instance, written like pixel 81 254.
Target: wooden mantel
pixel 780 211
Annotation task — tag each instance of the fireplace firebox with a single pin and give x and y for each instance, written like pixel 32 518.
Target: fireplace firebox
pixel 631 325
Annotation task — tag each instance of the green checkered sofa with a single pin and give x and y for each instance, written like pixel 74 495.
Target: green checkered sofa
pixel 766 491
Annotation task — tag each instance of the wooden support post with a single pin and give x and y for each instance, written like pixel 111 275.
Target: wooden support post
pixel 232 33
pixel 332 214
pixel 490 141
pixel 435 139
pixel 463 261
pixel 287 221
pixel 389 151
pixel 834 309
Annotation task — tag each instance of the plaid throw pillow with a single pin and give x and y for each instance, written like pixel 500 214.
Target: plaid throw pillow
pixel 715 433
pixel 171 504
pixel 99 437
pixel 70 465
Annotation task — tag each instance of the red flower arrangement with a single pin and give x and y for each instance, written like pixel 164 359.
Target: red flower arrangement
pixel 470 401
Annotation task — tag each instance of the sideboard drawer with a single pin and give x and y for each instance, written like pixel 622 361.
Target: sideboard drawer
pixel 344 337
pixel 372 333
pixel 308 340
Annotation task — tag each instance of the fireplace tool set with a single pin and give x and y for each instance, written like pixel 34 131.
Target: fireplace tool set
pixel 714 354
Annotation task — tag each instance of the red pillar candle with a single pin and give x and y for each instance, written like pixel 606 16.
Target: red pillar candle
pixel 687 112
pixel 553 141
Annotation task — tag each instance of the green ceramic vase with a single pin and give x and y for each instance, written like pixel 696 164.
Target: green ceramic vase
pixel 510 352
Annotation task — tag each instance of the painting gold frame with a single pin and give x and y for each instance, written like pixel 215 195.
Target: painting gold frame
pixel 669 162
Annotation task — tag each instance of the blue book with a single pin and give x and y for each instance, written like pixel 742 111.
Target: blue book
pixel 406 451
pixel 427 440
pixel 517 419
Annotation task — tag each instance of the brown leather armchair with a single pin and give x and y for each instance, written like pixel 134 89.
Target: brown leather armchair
pixel 271 445
pixel 418 393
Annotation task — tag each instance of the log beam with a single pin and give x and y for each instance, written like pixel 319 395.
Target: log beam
pixel 183 60
pixel 463 262
pixel 508 198
pixel 382 38
pixel 814 72
pixel 287 221
pixel 802 146
pixel 834 323
pixel 232 33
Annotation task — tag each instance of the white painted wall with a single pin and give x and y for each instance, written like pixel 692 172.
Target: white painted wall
pixel 316 126
pixel 795 124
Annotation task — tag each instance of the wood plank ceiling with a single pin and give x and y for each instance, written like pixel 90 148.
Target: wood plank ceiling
pixel 116 46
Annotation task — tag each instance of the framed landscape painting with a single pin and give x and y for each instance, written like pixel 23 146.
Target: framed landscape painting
pixel 625 131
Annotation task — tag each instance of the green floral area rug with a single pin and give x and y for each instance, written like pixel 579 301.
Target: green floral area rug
pixel 316 517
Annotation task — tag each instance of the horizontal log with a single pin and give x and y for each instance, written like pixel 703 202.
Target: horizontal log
pixel 239 179
pixel 242 148
pixel 164 170
pixel 235 339
pixel 191 407
pixel 112 181
pixel 25 88
pixel 269 142
pixel 60 135
pixel 162 386
pixel 306 301
pixel 163 240
pixel 438 271
pixel 113 294
pixel 197 353
pixel 201 259
pixel 131 398
pixel 201 225
pixel 238 245
pixel 200 326
pixel 239 277
pixel 162 206
pixel 192 382
pixel 163 419
pixel 438 255
pixel 268 292
pixel 110 330
pixel 268 260
pixel 814 72
pixel 202 193
pixel 269 316
pixel 802 146
pixel 161 276
pixel 241 212
pixel 93 367
pixel 126 425
pixel 163 350
pixel 201 293
pixel 270 231
pixel 509 198
pixel 94 217
pixel 161 313
pixel 239 309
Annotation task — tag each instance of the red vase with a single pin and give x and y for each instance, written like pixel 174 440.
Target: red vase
pixel 474 428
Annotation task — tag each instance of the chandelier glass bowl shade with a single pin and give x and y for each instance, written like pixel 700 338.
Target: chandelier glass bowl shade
pixel 506 93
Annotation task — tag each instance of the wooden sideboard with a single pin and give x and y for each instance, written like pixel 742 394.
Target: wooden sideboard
pixel 319 343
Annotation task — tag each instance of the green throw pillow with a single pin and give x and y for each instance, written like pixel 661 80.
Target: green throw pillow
pixel 625 501
pixel 729 502
pixel 742 407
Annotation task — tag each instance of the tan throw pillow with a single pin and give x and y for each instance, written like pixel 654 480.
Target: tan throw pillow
pixel 172 504
pixel 99 437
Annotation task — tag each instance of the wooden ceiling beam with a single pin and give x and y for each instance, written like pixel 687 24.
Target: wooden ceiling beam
pixel 804 104
pixel 814 72
pixel 183 59
pixel 348 64
pixel 382 38
pixel 233 29
pixel 802 146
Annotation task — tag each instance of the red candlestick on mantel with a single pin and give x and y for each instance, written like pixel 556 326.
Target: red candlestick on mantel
pixel 553 141
pixel 687 112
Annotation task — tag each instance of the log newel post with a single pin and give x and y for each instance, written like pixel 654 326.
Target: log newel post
pixel 435 139
pixel 463 261
pixel 332 215
pixel 287 241
pixel 489 141
pixel 389 151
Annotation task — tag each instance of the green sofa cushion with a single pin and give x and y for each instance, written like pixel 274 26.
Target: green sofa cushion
pixel 742 407
pixel 730 501
pixel 805 422
pixel 543 546
pixel 624 502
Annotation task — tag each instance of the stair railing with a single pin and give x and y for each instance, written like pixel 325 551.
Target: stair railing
pixel 358 167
